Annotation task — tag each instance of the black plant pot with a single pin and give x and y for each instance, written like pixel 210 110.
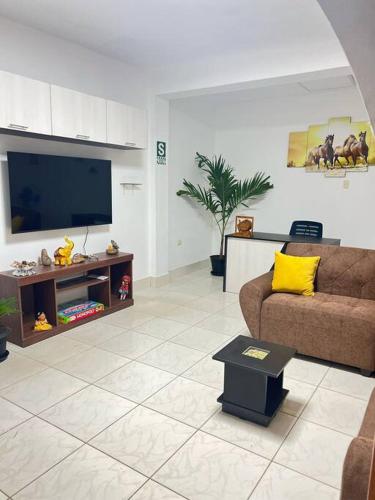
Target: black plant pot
pixel 218 265
pixel 4 333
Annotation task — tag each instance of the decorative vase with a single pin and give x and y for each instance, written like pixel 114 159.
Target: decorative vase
pixel 4 334
pixel 218 265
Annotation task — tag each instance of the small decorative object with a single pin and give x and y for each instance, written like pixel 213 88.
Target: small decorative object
pixel 244 226
pixel 78 258
pixel 23 268
pixel 223 194
pixel 257 353
pixel 63 254
pixel 41 322
pixel 8 306
pixel 123 291
pixel 112 248
pixel 45 259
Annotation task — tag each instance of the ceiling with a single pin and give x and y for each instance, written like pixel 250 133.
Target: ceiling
pixel 274 90
pixel 151 33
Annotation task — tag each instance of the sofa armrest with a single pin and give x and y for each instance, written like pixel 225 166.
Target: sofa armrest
pixel 252 295
pixel 356 471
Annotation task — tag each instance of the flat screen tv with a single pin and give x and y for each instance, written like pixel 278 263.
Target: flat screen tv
pixel 58 192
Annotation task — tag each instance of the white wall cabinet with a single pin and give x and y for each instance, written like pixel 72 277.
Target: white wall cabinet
pixel 28 105
pixel 77 115
pixel 126 125
pixel 25 104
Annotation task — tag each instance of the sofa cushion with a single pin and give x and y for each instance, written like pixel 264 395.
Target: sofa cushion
pixel 367 429
pixel 294 274
pixel 333 327
pixel 342 270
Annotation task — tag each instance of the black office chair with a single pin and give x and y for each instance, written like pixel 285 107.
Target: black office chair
pixel 306 228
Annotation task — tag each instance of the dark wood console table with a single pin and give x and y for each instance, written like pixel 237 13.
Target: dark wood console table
pixel 40 292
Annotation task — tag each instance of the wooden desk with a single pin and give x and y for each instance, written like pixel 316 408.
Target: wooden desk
pixel 247 258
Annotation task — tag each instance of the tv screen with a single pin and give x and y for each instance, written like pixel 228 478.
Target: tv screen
pixel 58 192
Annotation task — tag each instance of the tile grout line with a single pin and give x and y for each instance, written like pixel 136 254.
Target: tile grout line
pixel 33 415
pixel 45 472
pixel 141 404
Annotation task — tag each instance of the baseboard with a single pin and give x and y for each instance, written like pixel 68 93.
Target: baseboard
pixel 180 271
pixel 142 284
pixel 158 281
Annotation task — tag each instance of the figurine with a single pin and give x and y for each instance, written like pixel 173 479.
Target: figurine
pixel 124 288
pixel 112 248
pixel 244 227
pixel 63 254
pixel 78 258
pixel 23 268
pixel 45 259
pixel 41 323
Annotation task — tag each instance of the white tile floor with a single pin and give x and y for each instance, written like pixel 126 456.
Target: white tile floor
pixel 125 407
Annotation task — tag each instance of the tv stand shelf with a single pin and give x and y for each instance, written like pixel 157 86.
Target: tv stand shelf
pixel 40 292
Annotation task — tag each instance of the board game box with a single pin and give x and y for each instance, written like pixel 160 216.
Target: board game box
pixel 76 310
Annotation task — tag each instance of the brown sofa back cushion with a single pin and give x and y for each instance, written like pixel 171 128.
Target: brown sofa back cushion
pixel 342 270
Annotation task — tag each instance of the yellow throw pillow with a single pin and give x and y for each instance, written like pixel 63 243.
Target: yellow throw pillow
pixel 294 274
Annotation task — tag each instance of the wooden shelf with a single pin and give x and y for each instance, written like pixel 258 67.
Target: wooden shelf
pixel 39 292
pixel 82 281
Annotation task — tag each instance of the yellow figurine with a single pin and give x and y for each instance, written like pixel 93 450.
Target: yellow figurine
pixel 63 255
pixel 41 323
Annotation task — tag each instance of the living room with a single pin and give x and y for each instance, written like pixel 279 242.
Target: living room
pixel 131 368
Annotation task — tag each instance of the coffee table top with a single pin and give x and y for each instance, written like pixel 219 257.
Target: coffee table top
pixel 276 356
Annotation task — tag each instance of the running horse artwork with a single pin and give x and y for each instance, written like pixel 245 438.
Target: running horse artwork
pixel 359 149
pixel 323 151
pixel 344 151
pixel 333 148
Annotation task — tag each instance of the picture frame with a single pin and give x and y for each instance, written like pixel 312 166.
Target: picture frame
pixel 247 230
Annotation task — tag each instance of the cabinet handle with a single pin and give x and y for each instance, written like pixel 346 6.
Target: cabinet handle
pixel 81 136
pixel 18 127
pixel 130 143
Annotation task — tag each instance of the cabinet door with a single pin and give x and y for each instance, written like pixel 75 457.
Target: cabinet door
pixel 139 127
pixel 25 104
pixel 117 124
pixel 77 115
pixel 126 125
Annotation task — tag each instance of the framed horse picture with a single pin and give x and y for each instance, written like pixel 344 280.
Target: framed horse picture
pixel 339 145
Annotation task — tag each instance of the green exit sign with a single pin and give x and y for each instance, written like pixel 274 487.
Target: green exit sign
pixel 161 153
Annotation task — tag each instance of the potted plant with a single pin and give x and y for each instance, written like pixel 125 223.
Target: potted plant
pixel 223 195
pixel 7 307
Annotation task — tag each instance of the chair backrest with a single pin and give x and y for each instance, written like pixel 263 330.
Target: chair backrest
pixel 306 228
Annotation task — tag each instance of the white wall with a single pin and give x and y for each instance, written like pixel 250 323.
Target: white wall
pixel 358 44
pixel 254 136
pixel 31 53
pixel 187 223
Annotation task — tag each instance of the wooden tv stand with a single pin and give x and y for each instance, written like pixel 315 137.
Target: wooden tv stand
pixel 41 292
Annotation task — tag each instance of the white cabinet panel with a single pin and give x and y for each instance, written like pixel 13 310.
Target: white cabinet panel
pixel 126 125
pixel 247 259
pixel 25 104
pixel 77 115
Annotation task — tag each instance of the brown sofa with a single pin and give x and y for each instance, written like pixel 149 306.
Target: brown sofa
pixel 336 324
pixel 358 477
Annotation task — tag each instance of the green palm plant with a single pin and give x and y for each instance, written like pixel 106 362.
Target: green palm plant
pixel 8 306
pixel 224 192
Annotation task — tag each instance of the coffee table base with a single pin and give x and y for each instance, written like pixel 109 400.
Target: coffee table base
pixel 249 414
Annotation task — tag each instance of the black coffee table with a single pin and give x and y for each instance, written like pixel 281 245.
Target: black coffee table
pixel 253 387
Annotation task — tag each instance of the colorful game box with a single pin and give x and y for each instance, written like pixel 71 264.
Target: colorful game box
pixel 69 312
